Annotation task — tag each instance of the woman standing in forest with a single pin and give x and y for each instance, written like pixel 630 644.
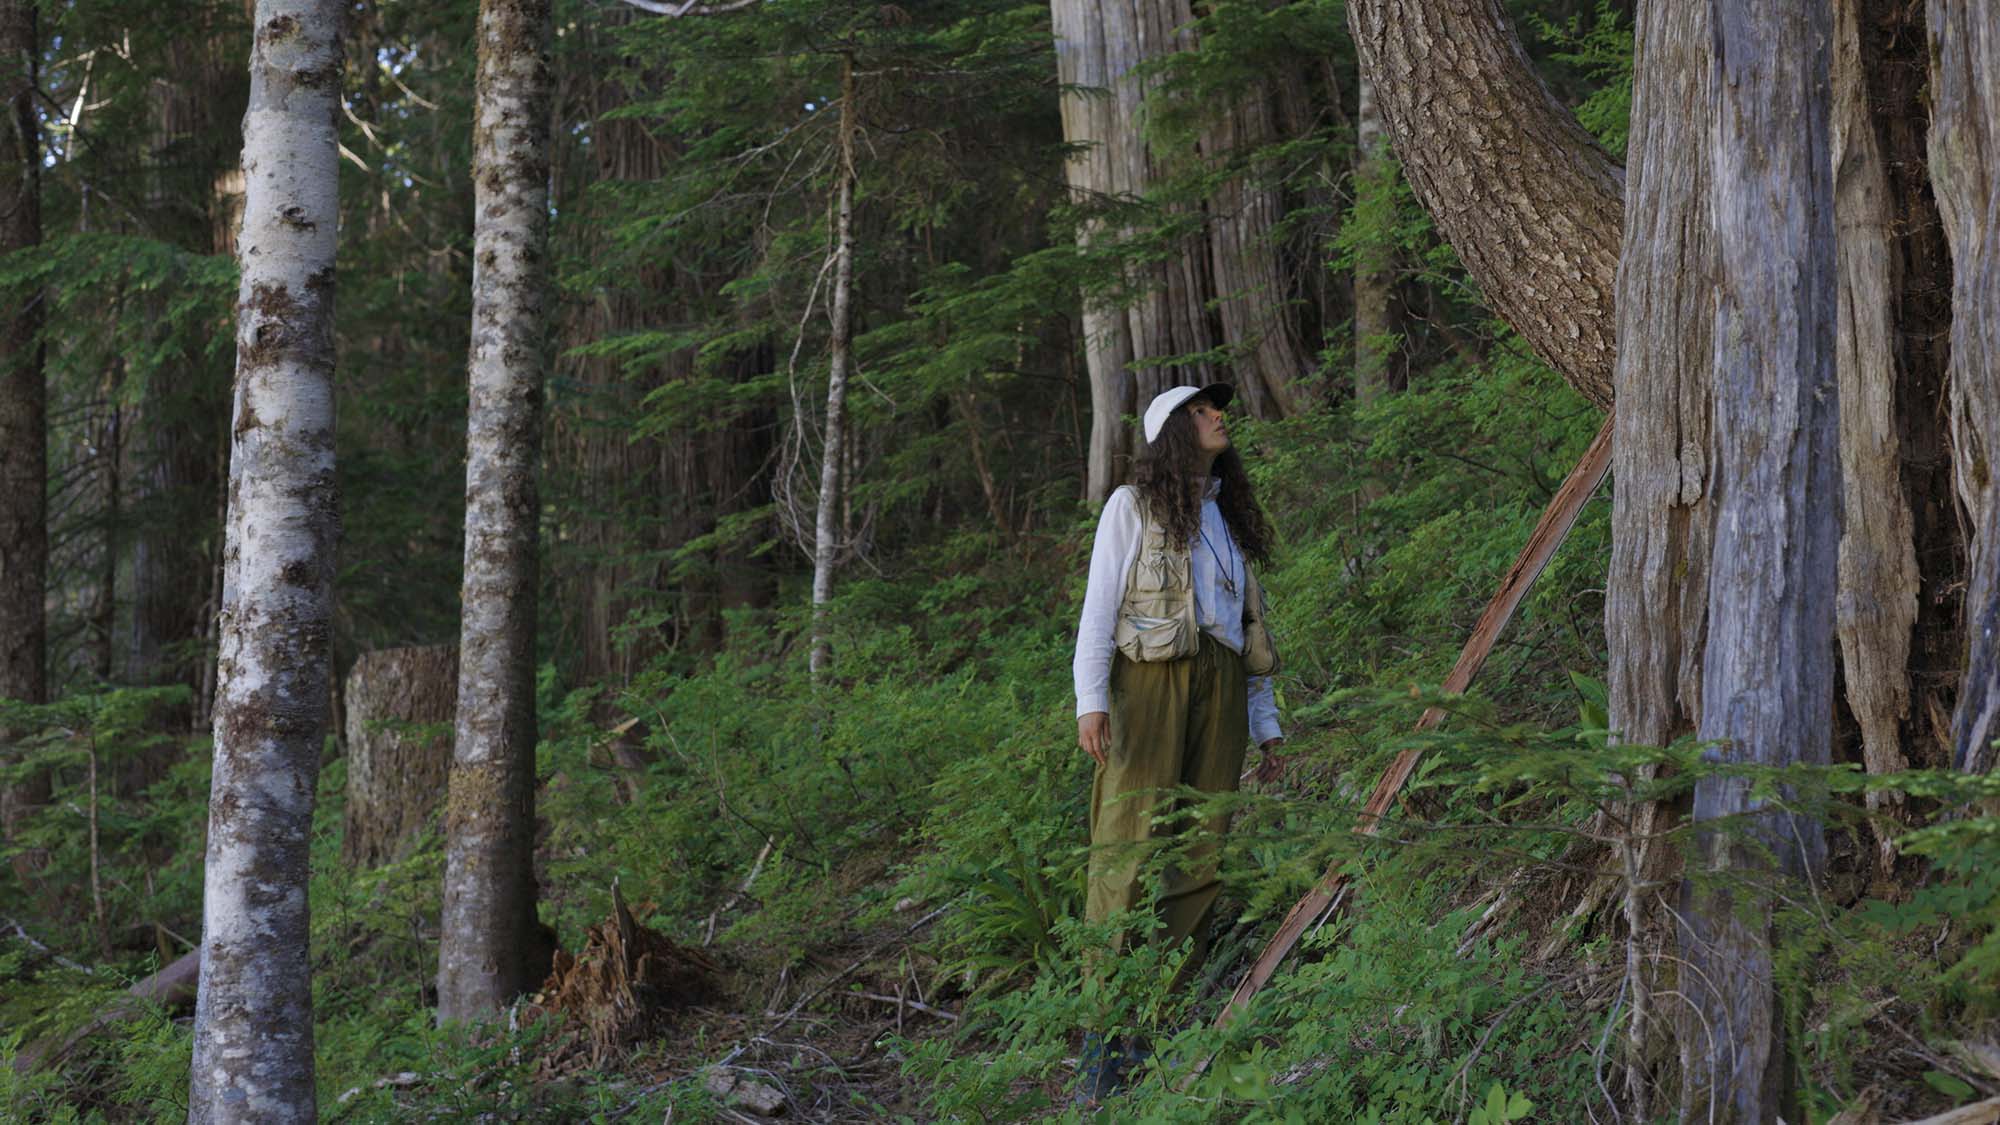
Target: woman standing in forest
pixel 1172 667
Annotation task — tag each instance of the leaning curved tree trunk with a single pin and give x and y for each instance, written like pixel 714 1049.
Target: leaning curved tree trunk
pixel 1768 676
pixel 1526 197
pixel 24 546
pixel 253 1039
pixel 1965 167
pixel 486 947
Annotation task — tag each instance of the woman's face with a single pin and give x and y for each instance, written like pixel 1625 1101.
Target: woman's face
pixel 1211 429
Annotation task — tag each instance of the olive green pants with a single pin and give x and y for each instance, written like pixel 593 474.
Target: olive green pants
pixel 1178 723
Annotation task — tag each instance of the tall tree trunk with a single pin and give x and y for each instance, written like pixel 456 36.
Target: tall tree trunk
pixel 24 453
pixel 1227 288
pixel 1529 201
pixel 1965 167
pixel 826 533
pixel 253 1040
pixel 1252 295
pixel 487 934
pixel 194 192
pixel 1374 280
pixel 1656 598
pixel 1768 677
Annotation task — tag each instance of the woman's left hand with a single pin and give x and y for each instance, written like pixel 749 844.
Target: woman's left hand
pixel 1273 766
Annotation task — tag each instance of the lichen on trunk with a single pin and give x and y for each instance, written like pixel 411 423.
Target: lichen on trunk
pixel 253 1039
pixel 486 946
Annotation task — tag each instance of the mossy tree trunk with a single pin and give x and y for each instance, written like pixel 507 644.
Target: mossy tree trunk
pixel 253 1039
pixel 487 938
pixel 396 771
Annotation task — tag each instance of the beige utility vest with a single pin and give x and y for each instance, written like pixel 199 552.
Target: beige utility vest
pixel 1156 618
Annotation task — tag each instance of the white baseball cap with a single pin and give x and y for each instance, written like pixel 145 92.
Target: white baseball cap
pixel 1166 401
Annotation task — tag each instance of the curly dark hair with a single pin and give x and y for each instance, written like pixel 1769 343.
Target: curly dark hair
pixel 1169 484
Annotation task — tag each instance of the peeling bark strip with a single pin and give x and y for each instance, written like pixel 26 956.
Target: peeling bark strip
pixel 1877 611
pixel 1767 684
pixel 253 1038
pixel 487 931
pixel 1657 592
pixel 24 545
pixel 1965 162
pixel 1530 202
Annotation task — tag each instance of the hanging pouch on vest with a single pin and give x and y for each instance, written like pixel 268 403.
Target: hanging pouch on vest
pixel 1156 618
pixel 1260 654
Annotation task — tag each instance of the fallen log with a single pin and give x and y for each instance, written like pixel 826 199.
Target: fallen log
pixel 1550 530
pixel 171 987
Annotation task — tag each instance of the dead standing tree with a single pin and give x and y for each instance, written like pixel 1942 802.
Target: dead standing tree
pixel 253 1039
pixel 487 952
pixel 1767 679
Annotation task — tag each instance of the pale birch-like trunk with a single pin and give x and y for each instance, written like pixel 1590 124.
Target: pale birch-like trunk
pixel 486 947
pixel 1767 680
pixel 24 545
pixel 1965 168
pixel 253 1040
pixel 826 524
pixel 1373 281
pixel 1530 202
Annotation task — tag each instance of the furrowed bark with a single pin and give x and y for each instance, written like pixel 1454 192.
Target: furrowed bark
pixel 24 544
pixel 1530 202
pixel 1251 293
pixel 487 931
pixel 1656 591
pixel 826 534
pixel 253 1038
pixel 1656 596
pixel 1877 611
pixel 1768 674
pixel 1224 287
pixel 1965 164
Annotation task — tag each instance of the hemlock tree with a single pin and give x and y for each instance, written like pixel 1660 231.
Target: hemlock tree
pixel 1767 680
pixel 24 547
pixel 486 947
pixel 253 1038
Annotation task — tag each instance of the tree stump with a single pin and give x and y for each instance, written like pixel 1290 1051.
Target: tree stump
pixel 400 707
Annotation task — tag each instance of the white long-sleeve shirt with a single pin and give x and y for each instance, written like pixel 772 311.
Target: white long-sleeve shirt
pixel 1218 612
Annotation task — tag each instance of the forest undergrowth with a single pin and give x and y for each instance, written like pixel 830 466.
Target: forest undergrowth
pixel 883 871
